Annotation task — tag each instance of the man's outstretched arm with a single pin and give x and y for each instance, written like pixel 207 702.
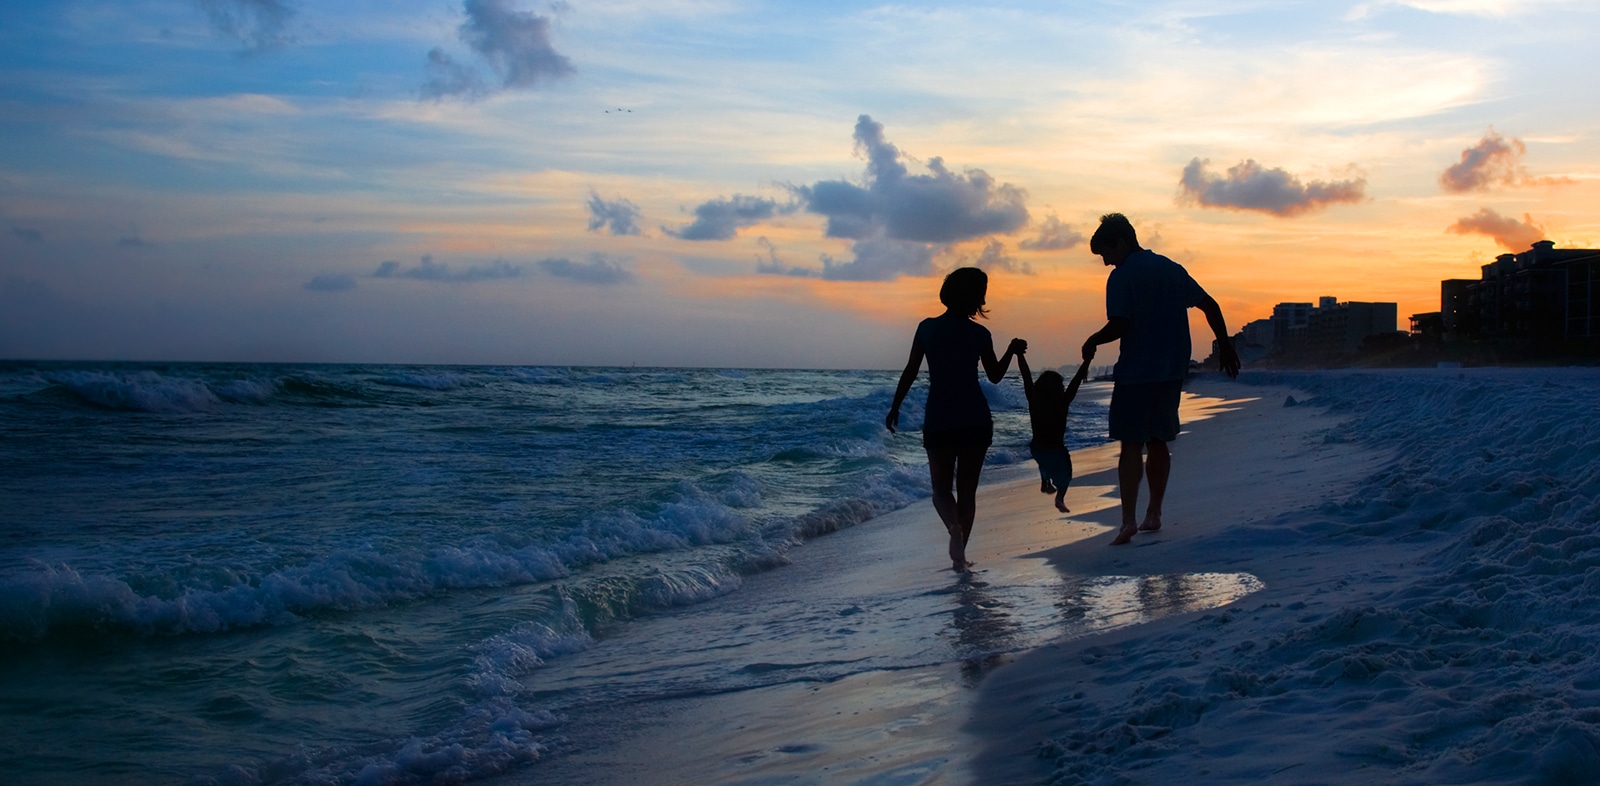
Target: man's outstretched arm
pixel 1227 358
pixel 1116 327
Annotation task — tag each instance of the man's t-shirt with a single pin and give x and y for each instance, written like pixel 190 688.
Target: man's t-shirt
pixel 953 346
pixel 1154 294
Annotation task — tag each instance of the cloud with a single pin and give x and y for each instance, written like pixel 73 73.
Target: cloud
pixel 721 219
pixel 940 207
pixel 994 257
pixel 132 241
pixel 258 24
pixel 429 270
pixel 620 215
pixel 1494 161
pixel 770 265
pixel 1053 236
pixel 881 259
pixel 331 282
pixel 446 78
pixel 515 44
pixel 1511 234
pixel 28 234
pixel 1248 186
pixel 600 269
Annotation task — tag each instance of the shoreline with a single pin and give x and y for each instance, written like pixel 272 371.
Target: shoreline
pixel 967 720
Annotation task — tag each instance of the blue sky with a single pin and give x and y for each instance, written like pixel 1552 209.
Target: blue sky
pixel 496 181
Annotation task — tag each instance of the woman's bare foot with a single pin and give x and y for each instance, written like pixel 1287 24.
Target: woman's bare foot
pixel 961 565
pixel 1152 522
pixel 1061 501
pixel 1046 488
pixel 1125 534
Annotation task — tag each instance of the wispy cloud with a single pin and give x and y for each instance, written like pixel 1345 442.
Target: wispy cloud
pixel 1053 236
pixel 881 259
pixel 619 216
pixel 331 282
pixel 258 24
pixel 1511 234
pixel 1494 161
pixel 600 269
pixel 515 44
pixel 768 263
pixel 132 241
pixel 1250 186
pixel 722 218
pixel 27 233
pixel 429 270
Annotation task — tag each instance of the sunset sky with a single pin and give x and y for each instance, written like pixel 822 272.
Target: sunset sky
pixel 758 184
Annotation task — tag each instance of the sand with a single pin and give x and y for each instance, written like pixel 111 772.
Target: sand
pixel 1244 457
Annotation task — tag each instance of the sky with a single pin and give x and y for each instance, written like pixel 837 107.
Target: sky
pixel 753 184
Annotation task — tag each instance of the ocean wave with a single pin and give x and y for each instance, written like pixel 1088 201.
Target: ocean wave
pixel 426 380
pixel 140 391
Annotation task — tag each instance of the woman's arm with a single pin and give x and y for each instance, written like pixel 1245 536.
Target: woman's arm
pixel 913 365
pixel 996 369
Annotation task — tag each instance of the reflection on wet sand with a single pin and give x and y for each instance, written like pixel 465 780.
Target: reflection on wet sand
pixel 989 622
pixel 983 628
pixel 1091 603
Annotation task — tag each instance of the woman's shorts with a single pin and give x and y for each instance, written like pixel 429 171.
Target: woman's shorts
pixel 960 439
pixel 1145 411
pixel 1055 464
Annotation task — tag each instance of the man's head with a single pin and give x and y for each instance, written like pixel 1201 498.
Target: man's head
pixel 1115 239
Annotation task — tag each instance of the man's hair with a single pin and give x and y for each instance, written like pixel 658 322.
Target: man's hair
pixel 1114 227
pixel 963 291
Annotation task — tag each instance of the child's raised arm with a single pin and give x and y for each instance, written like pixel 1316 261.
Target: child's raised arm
pixel 1027 376
pixel 1077 379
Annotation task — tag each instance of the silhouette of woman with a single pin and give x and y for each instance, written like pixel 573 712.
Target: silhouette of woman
pixel 957 427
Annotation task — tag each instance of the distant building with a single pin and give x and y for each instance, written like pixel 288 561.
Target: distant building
pixel 1339 328
pixel 1539 295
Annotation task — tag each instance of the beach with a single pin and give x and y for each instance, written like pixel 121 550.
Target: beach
pixel 1363 578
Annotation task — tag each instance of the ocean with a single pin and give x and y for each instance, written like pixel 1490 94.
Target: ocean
pixel 251 573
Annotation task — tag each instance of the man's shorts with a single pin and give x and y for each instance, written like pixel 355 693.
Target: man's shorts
pixel 1145 411
pixel 1055 464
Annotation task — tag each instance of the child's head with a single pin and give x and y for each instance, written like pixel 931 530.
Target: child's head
pixel 1050 382
pixel 965 290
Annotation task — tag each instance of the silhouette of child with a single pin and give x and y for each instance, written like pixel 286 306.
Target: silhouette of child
pixel 1047 409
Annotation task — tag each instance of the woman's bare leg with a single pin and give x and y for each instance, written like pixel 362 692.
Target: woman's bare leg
pixel 969 466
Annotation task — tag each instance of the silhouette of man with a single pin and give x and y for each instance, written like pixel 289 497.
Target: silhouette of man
pixel 1148 298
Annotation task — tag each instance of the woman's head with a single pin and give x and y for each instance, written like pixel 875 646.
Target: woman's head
pixel 964 291
pixel 1050 381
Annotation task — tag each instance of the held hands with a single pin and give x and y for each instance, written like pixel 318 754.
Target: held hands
pixel 1018 347
pixel 1088 351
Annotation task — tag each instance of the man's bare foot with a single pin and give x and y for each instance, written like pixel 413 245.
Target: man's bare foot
pixel 1152 522
pixel 961 565
pixel 1061 501
pixel 1046 488
pixel 1125 534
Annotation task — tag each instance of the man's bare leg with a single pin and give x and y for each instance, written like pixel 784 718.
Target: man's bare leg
pixel 1158 468
pixel 1130 471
